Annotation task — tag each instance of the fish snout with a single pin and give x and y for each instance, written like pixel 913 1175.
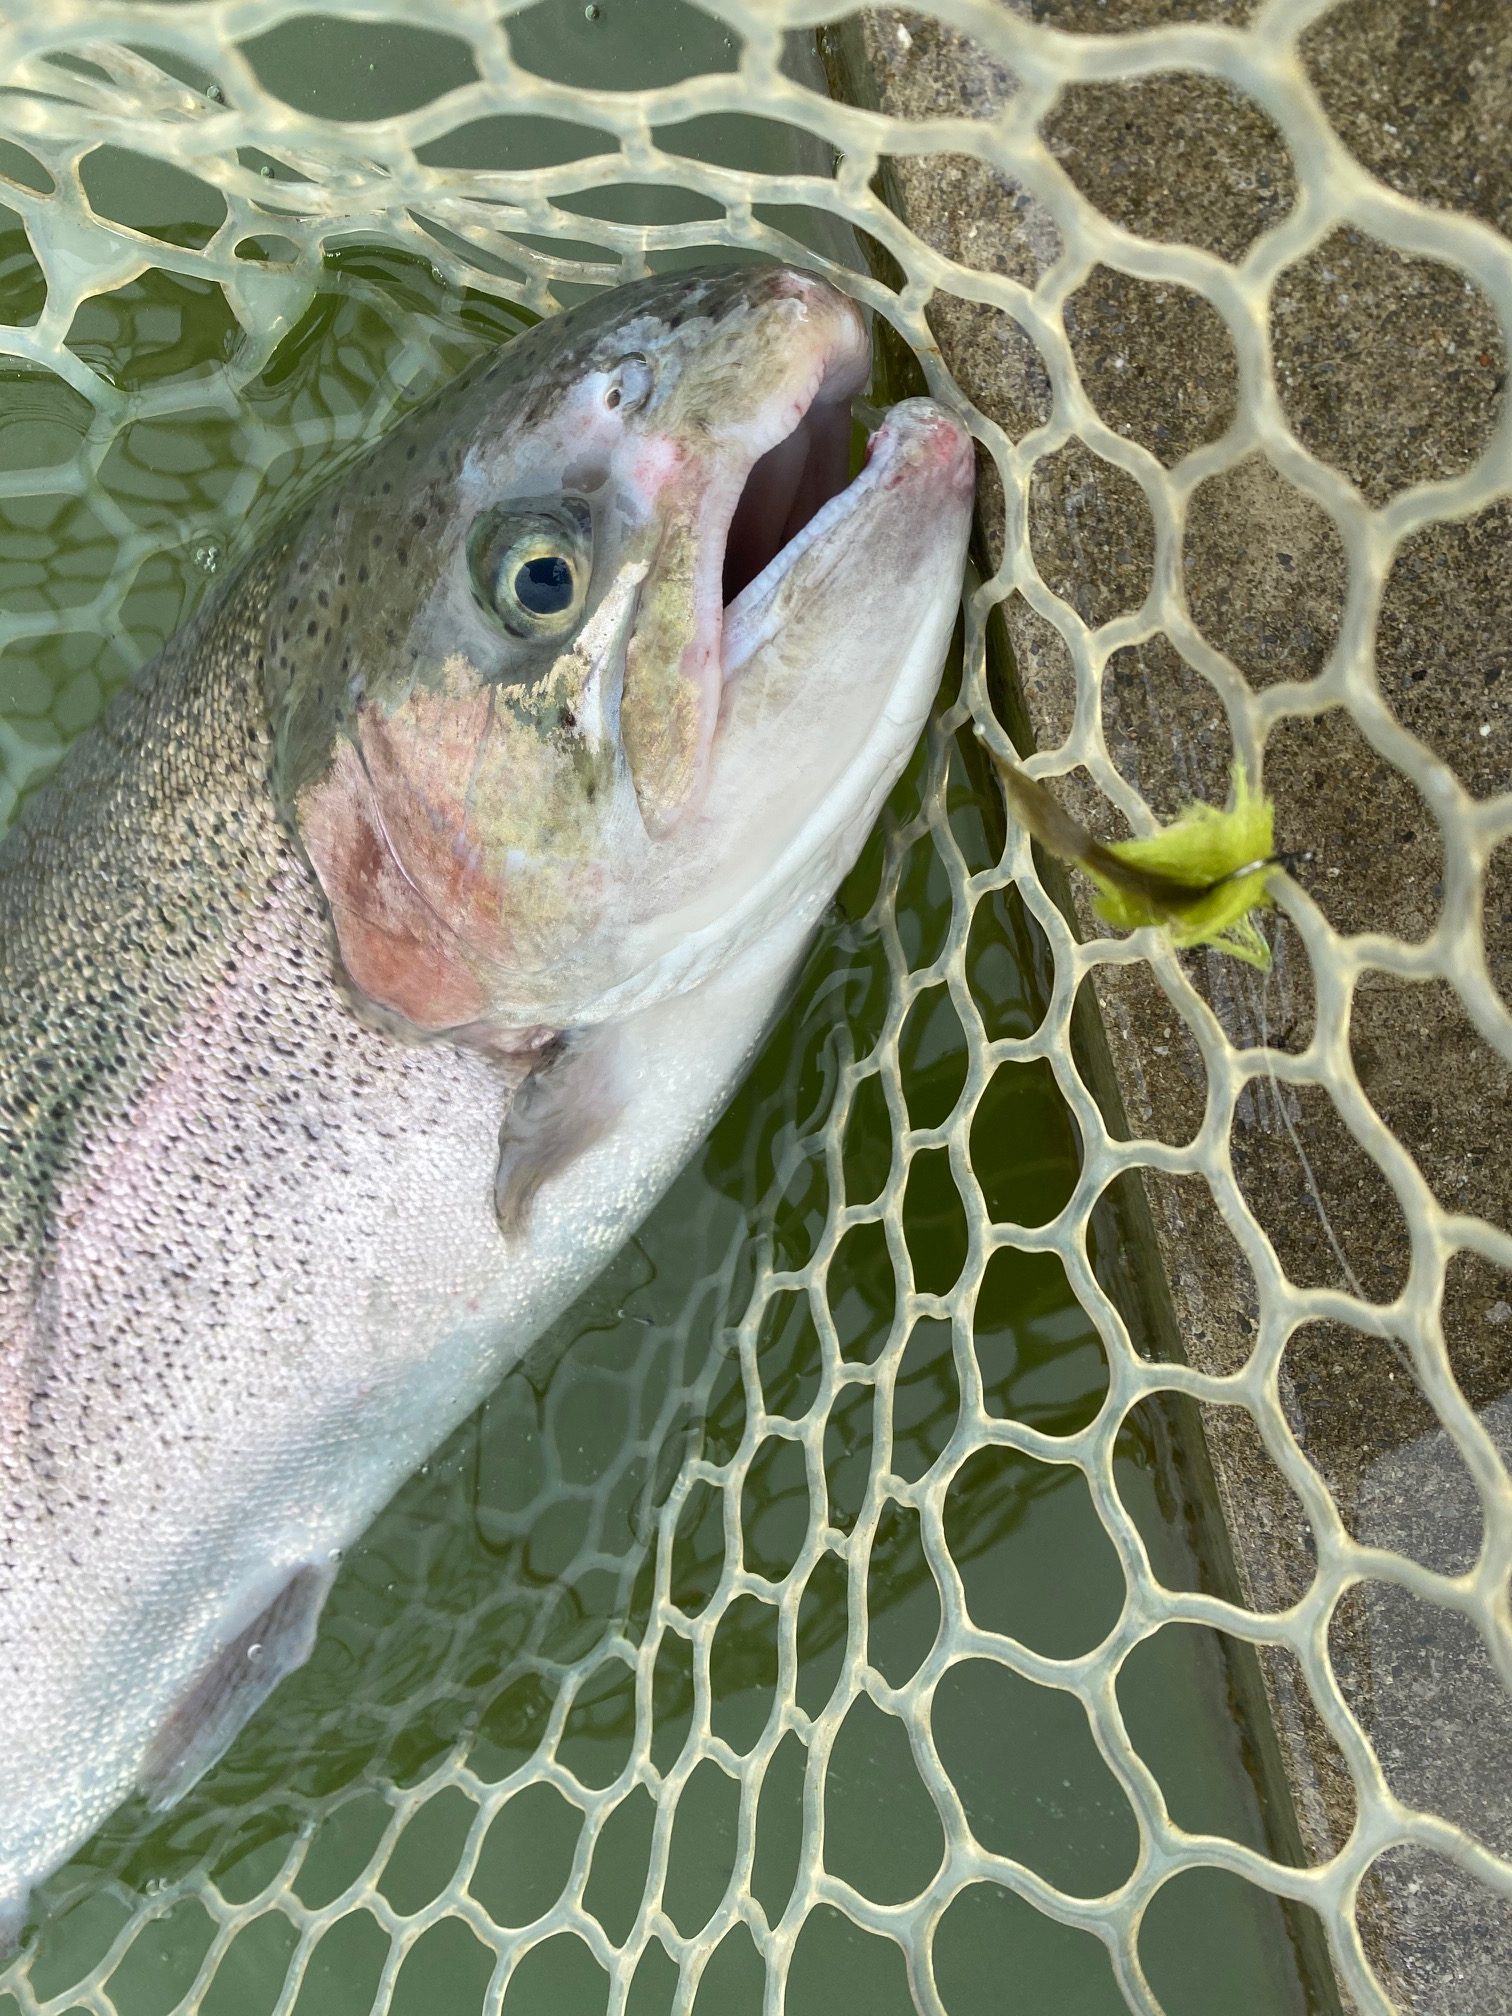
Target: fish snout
pixel 832 314
pixel 923 441
pixel 814 348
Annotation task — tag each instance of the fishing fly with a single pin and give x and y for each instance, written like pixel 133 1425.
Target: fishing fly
pixel 1201 878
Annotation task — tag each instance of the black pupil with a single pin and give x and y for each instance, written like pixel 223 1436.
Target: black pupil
pixel 544 586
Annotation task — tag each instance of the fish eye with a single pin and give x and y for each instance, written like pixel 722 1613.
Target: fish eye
pixel 542 584
pixel 530 569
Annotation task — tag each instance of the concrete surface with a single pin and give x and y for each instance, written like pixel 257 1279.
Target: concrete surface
pixel 1393 370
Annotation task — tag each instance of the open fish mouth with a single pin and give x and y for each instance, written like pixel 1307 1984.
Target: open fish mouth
pixel 841 587
pixel 802 447
pixel 804 483
pixel 793 481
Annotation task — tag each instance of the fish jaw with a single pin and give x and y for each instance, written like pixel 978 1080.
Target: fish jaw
pixel 831 659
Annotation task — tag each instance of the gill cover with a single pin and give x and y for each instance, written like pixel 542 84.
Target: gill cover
pixel 456 829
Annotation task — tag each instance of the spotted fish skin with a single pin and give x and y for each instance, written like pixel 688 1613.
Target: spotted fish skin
pixel 367 973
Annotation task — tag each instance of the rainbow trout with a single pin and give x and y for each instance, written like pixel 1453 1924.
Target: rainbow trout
pixel 372 967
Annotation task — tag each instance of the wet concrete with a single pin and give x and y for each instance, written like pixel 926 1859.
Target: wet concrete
pixel 1393 370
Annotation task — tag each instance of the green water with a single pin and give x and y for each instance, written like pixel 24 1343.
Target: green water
pixel 531 1543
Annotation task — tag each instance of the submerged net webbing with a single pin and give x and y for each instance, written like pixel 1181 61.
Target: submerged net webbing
pixel 723 1587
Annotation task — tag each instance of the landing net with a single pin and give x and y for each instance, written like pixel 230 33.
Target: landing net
pixel 498 1764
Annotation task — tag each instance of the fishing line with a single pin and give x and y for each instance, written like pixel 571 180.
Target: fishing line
pixel 1373 1323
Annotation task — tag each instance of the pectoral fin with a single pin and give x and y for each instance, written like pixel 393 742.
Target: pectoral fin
pixel 563 1107
pixel 235 1683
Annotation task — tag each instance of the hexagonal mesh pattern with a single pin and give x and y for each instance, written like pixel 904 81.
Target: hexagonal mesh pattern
pixel 462 1768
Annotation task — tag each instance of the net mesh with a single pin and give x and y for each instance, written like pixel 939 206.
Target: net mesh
pixel 493 1791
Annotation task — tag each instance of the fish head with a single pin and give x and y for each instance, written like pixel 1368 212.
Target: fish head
pixel 602 663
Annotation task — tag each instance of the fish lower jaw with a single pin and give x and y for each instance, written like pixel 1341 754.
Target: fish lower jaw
pixel 919 442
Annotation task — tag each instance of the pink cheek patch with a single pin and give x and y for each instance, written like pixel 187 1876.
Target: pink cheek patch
pixel 411 903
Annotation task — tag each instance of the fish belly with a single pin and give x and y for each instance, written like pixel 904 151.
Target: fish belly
pixel 279 1285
